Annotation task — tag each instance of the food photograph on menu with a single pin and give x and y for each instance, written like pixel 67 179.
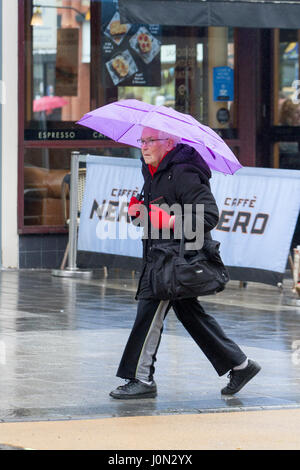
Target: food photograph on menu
pixel 145 44
pixel 130 52
pixel 115 30
pixel 121 66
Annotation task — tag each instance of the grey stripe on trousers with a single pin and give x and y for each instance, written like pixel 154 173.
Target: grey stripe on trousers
pixel 151 342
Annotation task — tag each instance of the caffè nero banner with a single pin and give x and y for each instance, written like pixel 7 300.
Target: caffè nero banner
pixel 258 210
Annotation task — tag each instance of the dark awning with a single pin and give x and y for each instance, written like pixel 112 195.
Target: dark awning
pixel 238 13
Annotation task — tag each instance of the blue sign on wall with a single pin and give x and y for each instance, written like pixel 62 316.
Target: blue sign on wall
pixel 223 84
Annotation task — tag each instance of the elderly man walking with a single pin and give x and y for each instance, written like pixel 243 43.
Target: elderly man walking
pixel 177 174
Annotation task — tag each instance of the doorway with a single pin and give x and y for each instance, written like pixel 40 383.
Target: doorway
pixel 285 119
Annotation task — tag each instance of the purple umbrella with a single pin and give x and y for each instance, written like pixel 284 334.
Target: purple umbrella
pixel 123 121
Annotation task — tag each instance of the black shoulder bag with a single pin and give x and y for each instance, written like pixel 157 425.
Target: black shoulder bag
pixel 178 274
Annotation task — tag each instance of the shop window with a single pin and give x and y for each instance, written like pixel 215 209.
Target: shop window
pixel 289 155
pixel 188 68
pixel 78 56
pixel 288 79
pixel 44 172
pixel 191 79
pixel 286 99
pixel 57 67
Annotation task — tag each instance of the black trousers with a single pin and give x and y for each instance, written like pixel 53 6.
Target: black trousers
pixel 140 352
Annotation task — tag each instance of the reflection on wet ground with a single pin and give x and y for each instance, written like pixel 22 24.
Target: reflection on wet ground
pixel 61 340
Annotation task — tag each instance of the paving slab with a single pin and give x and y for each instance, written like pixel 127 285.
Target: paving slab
pixel 256 430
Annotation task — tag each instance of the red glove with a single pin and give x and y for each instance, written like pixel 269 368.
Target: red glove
pixel 160 218
pixel 135 207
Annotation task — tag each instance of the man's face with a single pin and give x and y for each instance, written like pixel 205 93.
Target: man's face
pixel 153 152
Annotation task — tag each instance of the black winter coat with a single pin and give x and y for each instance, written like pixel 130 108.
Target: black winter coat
pixel 182 177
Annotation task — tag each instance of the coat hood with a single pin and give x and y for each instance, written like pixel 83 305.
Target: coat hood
pixel 187 154
pixel 184 154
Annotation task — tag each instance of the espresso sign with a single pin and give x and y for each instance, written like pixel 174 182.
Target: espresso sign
pixel 63 134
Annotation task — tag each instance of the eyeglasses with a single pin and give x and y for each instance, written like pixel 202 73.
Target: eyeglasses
pixel 149 142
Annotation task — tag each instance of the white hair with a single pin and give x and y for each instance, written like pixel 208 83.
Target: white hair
pixel 166 135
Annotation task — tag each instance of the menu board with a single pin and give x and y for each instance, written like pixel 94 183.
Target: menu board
pixel 130 52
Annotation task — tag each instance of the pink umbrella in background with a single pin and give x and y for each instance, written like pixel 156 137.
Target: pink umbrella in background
pixel 123 121
pixel 48 103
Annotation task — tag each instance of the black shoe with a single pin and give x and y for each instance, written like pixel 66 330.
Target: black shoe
pixel 239 378
pixel 135 389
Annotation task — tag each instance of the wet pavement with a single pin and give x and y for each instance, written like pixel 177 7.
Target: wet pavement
pixel 61 340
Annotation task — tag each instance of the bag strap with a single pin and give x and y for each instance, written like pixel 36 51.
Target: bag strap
pixel 140 195
pixel 182 242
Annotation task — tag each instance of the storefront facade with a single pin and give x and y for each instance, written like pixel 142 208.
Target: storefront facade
pixel 1 104
pixel 75 55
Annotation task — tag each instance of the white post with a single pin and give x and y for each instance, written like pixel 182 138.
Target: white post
pixel 73 210
pixel 72 270
pixel 296 269
pixel 9 141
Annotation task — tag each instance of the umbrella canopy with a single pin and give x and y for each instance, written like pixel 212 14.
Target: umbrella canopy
pixel 123 121
pixel 47 103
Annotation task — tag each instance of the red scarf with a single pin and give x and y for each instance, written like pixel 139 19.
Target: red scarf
pixel 153 169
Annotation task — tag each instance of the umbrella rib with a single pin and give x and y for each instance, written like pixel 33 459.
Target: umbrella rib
pixel 190 124
pixel 173 117
pixel 125 132
pixel 129 107
pixel 224 159
pixel 214 157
